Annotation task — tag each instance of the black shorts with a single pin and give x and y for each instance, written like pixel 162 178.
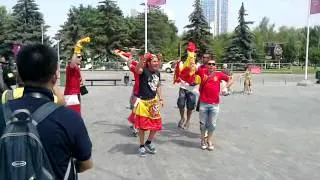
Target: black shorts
pixel 186 98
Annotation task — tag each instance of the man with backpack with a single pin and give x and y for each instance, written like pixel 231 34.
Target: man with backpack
pixel 39 139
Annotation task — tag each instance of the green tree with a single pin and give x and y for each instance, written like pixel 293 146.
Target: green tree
pixel 162 34
pixel 27 23
pixel 198 29
pixel 5 20
pixel 80 23
pixel 263 33
pixel 218 46
pixel 241 46
pixel 314 56
pixel 110 31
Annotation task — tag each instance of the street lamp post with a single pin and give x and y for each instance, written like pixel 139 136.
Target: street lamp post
pixel 41 33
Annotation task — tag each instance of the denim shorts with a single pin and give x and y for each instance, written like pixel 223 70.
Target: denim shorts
pixel 186 98
pixel 208 116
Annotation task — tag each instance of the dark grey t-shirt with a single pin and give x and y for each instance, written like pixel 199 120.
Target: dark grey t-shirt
pixel 149 82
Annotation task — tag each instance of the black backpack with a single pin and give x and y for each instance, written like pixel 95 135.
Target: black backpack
pixel 22 154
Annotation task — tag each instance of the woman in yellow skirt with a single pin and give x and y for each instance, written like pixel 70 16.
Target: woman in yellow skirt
pixel 146 115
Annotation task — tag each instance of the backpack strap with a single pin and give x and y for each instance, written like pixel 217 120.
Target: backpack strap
pixel 67 174
pixel 43 112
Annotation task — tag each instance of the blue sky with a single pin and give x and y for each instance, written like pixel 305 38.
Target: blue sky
pixel 280 12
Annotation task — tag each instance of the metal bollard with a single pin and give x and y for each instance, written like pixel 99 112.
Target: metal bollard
pixel 126 79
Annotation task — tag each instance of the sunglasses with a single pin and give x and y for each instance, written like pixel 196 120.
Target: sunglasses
pixel 211 64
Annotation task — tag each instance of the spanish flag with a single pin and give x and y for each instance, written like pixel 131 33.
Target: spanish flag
pixel 146 115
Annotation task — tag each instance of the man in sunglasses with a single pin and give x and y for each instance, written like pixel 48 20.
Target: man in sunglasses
pixel 73 83
pixel 209 101
pixel 187 95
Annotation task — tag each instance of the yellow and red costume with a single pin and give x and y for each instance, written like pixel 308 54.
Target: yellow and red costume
pixel 187 72
pixel 73 80
pixel 146 115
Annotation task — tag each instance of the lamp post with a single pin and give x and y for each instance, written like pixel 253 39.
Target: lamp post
pixel 41 33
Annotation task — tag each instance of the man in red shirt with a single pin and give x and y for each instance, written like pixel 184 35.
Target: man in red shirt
pixel 73 82
pixel 134 95
pixel 209 101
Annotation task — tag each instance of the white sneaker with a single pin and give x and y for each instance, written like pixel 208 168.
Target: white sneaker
pixel 204 145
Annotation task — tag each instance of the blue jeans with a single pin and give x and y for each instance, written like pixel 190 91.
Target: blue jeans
pixel 208 116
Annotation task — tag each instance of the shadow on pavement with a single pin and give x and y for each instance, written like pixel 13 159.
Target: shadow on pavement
pixel 172 130
pixel 187 144
pixel 127 149
pixel 123 130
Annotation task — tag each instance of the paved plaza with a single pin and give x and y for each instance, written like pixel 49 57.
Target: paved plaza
pixel 272 134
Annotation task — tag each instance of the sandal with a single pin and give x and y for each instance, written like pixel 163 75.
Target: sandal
pixel 186 126
pixel 210 146
pixel 180 124
pixel 204 145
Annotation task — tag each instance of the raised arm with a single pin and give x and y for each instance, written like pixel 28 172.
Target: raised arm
pixel 141 65
pixel 159 93
pixel 127 57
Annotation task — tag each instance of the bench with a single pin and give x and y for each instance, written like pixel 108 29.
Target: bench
pixel 103 80
pixel 160 80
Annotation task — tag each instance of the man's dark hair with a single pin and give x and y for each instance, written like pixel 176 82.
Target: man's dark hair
pixel 36 63
pixel 207 52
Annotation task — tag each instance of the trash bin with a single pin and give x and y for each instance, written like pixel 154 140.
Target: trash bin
pixel 126 79
pixel 62 78
pixel 318 76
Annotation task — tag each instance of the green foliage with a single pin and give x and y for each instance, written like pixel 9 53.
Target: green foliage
pixel 162 34
pixel 27 23
pixel 314 56
pixel 5 20
pixel 241 45
pixel 22 26
pixel 108 30
pixel 198 29
pixel 218 46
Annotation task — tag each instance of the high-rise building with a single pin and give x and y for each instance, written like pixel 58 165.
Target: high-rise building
pixel 216 14
pixel 209 12
pixel 224 16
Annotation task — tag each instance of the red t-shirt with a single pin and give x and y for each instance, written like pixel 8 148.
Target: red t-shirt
pixel 201 69
pixel 73 78
pixel 136 85
pixel 210 89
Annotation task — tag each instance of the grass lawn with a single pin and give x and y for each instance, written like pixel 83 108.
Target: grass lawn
pixel 292 70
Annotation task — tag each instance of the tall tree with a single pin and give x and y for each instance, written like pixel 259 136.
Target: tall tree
pixel 110 28
pixel 162 33
pixel 198 29
pixel 241 47
pixel 218 44
pixel 314 56
pixel 27 23
pixel 5 19
pixel 263 33
pixel 80 23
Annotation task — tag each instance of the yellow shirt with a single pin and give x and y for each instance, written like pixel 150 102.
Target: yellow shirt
pixel 18 93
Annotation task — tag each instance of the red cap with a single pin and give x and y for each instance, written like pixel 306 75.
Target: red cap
pixel 191 47
pixel 149 56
